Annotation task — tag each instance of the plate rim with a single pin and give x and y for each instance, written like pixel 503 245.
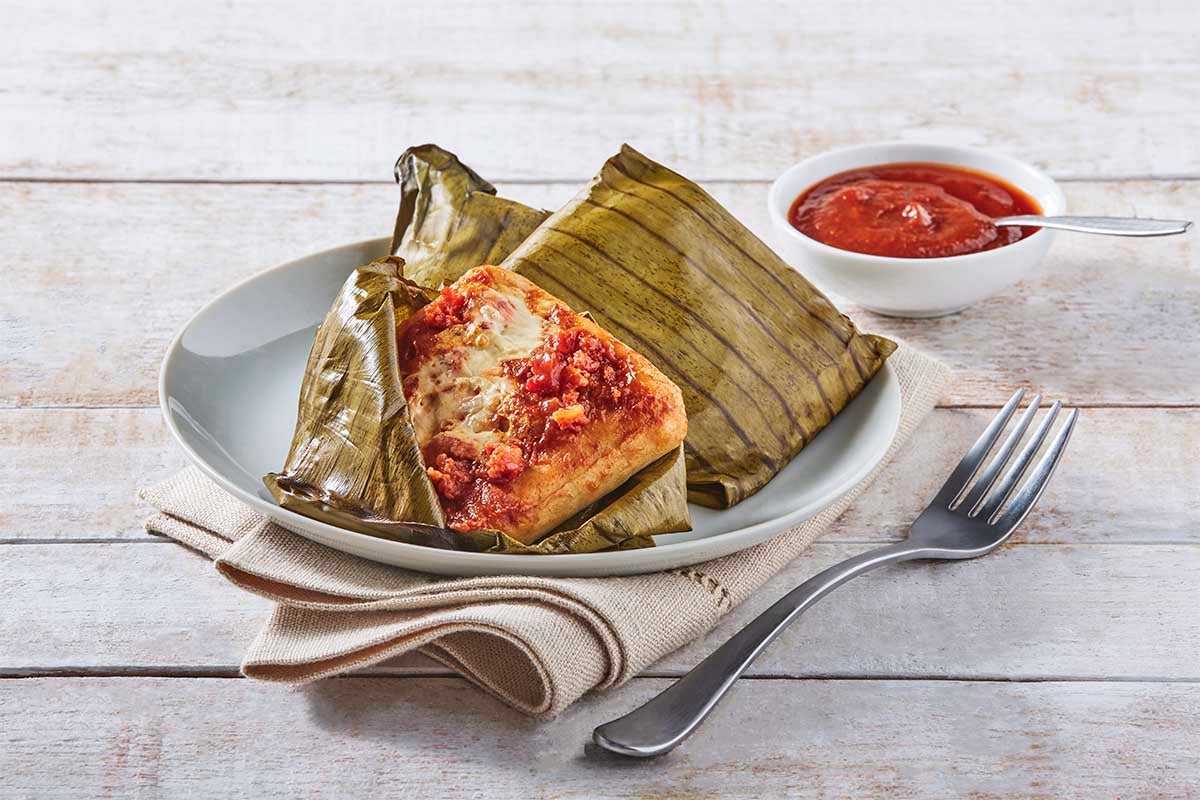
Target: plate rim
pixel 427 559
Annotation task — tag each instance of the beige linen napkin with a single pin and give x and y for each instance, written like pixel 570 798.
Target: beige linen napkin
pixel 536 643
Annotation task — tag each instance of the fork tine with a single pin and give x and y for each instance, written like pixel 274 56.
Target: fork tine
pixel 971 462
pixel 1032 490
pixel 1030 451
pixel 979 491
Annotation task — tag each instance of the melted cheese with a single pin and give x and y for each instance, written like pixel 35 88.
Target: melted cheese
pixel 460 386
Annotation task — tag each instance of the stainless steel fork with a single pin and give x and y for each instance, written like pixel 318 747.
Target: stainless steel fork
pixel 967 519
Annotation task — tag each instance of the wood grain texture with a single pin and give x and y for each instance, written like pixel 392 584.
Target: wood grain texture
pixel 86 321
pixel 76 472
pixel 104 455
pixel 1128 478
pixel 1023 612
pixel 441 738
pixel 720 90
pixel 102 275
pixel 1026 612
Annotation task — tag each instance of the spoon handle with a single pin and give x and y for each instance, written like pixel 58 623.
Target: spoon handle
pixel 1113 226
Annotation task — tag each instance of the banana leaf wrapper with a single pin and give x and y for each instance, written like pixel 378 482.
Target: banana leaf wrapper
pixel 764 360
pixel 450 219
pixel 354 460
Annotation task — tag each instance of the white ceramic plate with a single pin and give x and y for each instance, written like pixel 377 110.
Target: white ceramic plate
pixel 231 379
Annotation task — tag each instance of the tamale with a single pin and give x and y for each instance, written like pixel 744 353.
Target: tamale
pixel 525 411
pixel 764 360
pixel 354 460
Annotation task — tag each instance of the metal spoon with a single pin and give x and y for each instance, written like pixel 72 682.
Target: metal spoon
pixel 1113 226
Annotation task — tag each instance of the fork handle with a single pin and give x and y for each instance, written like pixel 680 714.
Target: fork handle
pixel 672 716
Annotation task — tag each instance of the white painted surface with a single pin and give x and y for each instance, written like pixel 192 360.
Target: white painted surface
pixel 1028 612
pixel 441 738
pixel 730 89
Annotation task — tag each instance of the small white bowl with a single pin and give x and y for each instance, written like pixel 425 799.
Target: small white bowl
pixel 911 287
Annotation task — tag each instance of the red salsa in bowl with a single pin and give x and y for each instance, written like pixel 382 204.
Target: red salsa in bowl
pixel 911 210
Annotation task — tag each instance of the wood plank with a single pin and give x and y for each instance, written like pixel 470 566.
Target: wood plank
pixel 436 737
pixel 133 609
pixel 717 90
pixel 1026 612
pixel 79 471
pixel 1129 476
pixel 1103 321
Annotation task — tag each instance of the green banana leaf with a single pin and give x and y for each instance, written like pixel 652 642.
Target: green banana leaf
pixel 764 360
pixel 450 219
pixel 354 461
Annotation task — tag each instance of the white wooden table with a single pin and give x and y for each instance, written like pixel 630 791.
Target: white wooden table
pixel 152 154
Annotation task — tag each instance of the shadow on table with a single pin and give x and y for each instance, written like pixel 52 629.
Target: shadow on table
pixel 451 715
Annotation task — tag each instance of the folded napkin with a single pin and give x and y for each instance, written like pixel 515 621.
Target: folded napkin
pixel 536 643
